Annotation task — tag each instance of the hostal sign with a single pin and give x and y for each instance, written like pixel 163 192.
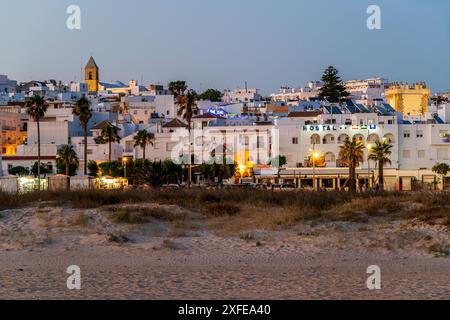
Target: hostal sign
pixel 317 128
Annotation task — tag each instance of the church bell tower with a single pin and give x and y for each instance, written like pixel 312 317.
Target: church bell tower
pixel 91 75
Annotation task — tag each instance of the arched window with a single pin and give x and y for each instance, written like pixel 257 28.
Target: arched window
pixel 373 138
pixel 329 139
pixel 358 137
pixel 342 138
pixel 389 138
pixel 315 139
pixel 90 75
pixel 330 158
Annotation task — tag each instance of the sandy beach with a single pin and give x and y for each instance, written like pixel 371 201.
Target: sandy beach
pixel 155 260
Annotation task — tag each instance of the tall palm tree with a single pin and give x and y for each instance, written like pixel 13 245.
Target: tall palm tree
pixel 380 153
pixel 352 154
pixel 177 88
pixel 36 108
pixel 142 139
pixel 83 110
pixel 67 156
pixel 187 109
pixel 109 134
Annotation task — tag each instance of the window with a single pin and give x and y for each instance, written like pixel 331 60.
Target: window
pixel 260 142
pixel 89 151
pixel 406 154
pixel 390 121
pixel 421 154
pixel 170 146
pixel 443 133
pixel 294 140
pixel 406 134
pixel 442 154
pixel 419 134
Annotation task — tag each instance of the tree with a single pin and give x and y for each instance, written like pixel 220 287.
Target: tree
pixel 109 135
pixel 83 110
pixel 114 169
pixel 333 88
pixel 438 99
pixel 156 173
pixel 36 108
pixel 67 158
pixel 19 171
pixel 177 88
pixel 441 169
pixel 211 94
pixel 142 139
pixel 278 162
pixel 38 170
pixel 380 153
pixel 187 109
pixel 93 168
pixel 351 154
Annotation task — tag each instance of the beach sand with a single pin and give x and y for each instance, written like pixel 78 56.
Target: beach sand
pixel 323 262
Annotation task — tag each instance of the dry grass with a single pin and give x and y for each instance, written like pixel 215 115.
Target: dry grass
pixel 171 245
pixel 238 210
pixel 80 220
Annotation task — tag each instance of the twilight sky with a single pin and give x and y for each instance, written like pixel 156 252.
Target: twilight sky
pixel 222 43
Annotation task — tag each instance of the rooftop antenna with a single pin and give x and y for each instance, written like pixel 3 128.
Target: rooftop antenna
pixel 246 87
pixel 81 70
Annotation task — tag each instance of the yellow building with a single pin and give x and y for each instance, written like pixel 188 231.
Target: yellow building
pixel 409 99
pixel 11 133
pixel 92 75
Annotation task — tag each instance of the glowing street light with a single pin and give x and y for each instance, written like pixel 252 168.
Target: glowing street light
pixel 125 167
pixel 315 156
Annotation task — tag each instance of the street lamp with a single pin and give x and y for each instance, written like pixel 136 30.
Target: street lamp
pixel 369 174
pixel 315 156
pixel 125 167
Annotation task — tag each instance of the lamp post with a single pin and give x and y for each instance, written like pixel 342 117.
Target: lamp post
pixel 369 173
pixel 315 156
pixel 125 167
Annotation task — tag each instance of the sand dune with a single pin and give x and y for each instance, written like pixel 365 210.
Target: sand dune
pixel 155 260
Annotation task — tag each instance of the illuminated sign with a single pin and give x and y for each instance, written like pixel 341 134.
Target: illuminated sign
pixel 316 128
pixel 319 128
pixel 217 112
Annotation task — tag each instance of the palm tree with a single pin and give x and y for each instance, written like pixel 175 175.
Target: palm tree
pixel 352 154
pixel 83 110
pixel 142 139
pixel 380 153
pixel 109 134
pixel 36 108
pixel 187 109
pixel 177 88
pixel 66 157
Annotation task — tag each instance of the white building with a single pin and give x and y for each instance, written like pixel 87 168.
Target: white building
pixel 369 91
pixel 288 94
pixel 241 95
pixel 7 86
